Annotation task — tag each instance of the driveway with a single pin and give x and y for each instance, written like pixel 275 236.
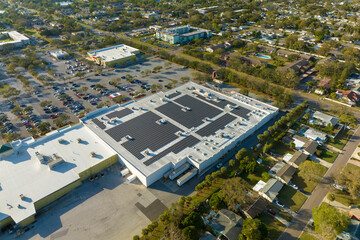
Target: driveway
pixel 299 222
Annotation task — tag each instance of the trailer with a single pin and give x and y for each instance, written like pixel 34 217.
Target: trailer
pixel 124 172
pixel 131 178
pixel 186 177
pixel 178 171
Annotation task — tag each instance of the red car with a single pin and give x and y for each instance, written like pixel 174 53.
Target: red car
pixel 272 212
pixel 53 116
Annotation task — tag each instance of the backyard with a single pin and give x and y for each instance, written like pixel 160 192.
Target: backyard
pixel 282 149
pixel 307 186
pixel 274 227
pixel 291 198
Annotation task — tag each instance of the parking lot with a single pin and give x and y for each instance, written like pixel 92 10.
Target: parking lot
pixel 75 96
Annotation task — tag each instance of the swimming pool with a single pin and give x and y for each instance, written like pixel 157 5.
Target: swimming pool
pixel 263 56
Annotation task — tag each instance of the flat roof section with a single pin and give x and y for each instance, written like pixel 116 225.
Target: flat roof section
pixel 145 133
pixel 99 123
pixel 219 123
pixel 119 114
pixel 221 104
pixel 191 118
pixel 176 148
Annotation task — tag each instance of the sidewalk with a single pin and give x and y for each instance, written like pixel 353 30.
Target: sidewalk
pixel 337 205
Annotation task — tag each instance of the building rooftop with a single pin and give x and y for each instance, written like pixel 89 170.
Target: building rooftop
pixel 188 122
pixel 16 37
pixel 298 158
pixel 326 118
pixel 227 223
pixel 114 53
pixel 286 173
pixel 27 171
pixel 272 188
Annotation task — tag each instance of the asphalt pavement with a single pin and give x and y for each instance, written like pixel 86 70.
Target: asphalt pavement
pixel 300 221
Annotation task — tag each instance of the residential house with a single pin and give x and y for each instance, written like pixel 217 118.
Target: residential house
pixel 212 49
pixel 285 174
pixel 256 208
pixel 298 65
pixel 323 86
pixel 297 159
pixel 348 95
pixel 227 223
pixel 253 61
pixel 266 49
pixel 269 190
pixel 284 53
pixel 276 168
pixel 309 148
pixel 325 119
pixel 315 135
pixel 352 233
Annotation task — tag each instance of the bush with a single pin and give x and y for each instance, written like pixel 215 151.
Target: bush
pixel 331 197
pixel 318 152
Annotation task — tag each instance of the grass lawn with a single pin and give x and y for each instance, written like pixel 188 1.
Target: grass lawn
pixel 291 198
pixel 344 197
pixel 307 186
pixel 282 149
pixel 341 139
pixel 274 227
pixel 307 236
pixel 328 155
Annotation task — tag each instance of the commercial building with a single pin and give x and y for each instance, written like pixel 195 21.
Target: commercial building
pixel 175 133
pixel 13 39
pixel 118 54
pixel 182 34
pixel 59 54
pixel 158 134
pixel 36 173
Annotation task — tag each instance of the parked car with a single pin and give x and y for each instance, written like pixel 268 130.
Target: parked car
pixel 272 212
pixel 280 204
pixel 219 165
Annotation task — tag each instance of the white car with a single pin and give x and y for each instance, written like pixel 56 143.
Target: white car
pixel 293 186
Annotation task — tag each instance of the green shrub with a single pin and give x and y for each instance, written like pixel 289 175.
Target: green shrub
pixel 331 197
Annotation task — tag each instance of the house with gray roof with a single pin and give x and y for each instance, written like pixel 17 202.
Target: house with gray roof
pixel 325 119
pixel 285 174
pixel 297 159
pixel 227 223
pixel 269 190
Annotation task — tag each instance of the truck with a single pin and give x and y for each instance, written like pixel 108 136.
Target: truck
pixel 186 177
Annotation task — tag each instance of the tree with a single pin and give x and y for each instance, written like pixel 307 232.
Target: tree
pixel 10 92
pixel 28 108
pixel 232 163
pixel 184 79
pixel 234 192
pixel 216 202
pixel 136 237
pixel 194 219
pixel 328 221
pixel 349 178
pixel 61 120
pixel 17 111
pixel 45 103
pixel 44 126
pixel 310 170
pixel 253 229
pixel 190 233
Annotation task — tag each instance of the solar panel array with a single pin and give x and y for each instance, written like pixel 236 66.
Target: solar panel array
pixel 176 148
pixel 146 133
pixel 175 94
pixel 99 123
pixel 219 123
pixel 119 114
pixel 193 118
pixel 242 112
pixel 222 103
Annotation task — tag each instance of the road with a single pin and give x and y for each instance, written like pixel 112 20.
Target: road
pixel 304 215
